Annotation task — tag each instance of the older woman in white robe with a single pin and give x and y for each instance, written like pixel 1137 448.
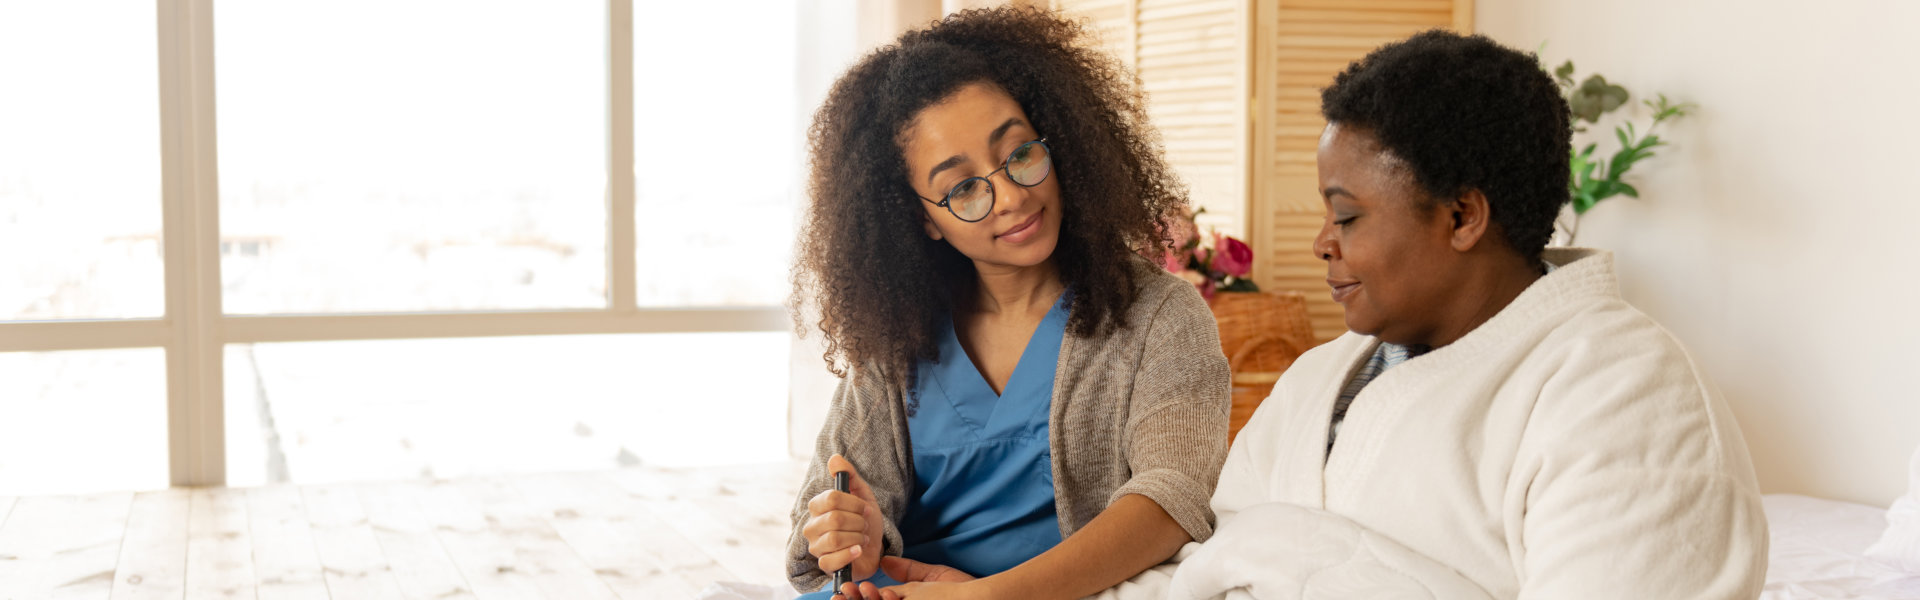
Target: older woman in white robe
pixel 1499 422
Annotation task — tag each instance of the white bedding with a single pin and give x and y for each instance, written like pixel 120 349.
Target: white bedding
pixel 1817 551
pixel 1324 557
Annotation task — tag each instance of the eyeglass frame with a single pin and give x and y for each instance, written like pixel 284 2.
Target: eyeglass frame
pixel 993 198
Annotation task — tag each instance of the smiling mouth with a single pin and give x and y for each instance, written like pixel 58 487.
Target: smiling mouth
pixel 1342 289
pixel 1026 228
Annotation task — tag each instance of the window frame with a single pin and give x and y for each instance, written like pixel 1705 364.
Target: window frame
pixel 195 331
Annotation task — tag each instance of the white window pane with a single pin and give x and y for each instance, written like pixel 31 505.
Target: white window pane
pixel 312 412
pixel 83 421
pixel 719 135
pixel 423 155
pixel 79 161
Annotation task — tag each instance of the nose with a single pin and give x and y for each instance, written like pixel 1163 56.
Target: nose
pixel 1324 245
pixel 1009 196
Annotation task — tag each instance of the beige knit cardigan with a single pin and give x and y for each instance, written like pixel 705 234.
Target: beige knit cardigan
pixel 1142 410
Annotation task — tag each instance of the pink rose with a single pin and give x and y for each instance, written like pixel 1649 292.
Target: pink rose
pixel 1231 256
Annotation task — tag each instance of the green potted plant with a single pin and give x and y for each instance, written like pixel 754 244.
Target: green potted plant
pixel 1598 178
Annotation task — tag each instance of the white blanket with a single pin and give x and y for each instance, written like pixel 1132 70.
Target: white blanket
pixel 1280 551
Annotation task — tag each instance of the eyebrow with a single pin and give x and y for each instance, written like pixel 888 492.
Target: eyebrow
pixel 1329 193
pixel 957 159
pixel 1001 131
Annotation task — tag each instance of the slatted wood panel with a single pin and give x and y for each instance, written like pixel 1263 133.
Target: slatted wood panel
pixel 1190 58
pixel 1299 45
pixel 1112 20
pixel 1193 68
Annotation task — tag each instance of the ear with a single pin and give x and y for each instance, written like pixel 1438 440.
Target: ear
pixel 1472 219
pixel 933 231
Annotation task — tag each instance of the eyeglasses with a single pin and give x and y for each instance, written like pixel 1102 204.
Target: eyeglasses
pixel 972 199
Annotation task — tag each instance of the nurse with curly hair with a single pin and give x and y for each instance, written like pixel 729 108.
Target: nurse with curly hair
pixel 1027 409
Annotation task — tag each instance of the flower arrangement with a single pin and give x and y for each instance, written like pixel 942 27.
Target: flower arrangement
pixel 1213 263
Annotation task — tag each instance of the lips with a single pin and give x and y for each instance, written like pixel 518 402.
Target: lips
pixel 1020 233
pixel 1343 288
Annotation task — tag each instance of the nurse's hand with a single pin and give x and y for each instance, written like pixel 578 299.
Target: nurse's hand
pixel 923 581
pixel 846 528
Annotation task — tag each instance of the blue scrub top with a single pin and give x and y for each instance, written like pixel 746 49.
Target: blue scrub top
pixel 983 469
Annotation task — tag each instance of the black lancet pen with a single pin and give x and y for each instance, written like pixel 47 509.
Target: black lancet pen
pixel 845 574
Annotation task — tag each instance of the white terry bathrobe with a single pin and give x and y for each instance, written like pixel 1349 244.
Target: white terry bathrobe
pixel 1567 448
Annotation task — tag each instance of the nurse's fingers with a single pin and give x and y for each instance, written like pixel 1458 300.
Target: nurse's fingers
pixel 869 591
pixel 834 556
pixel 856 484
pixel 829 500
pixel 838 520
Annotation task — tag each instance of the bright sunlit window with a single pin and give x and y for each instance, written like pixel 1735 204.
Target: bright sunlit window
pixel 79 162
pixel 444 157
pixel 718 150
pixel 447 155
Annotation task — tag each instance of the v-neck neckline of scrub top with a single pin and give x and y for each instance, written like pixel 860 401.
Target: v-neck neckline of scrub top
pixel 1043 345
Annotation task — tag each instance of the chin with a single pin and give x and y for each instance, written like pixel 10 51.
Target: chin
pixel 1362 325
pixel 1033 254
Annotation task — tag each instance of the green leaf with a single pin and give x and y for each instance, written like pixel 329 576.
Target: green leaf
pixel 1623 161
pixel 1582 203
pixel 1629 190
pixel 1598 97
pixel 1564 74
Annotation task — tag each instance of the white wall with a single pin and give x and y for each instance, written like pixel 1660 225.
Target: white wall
pixel 1780 237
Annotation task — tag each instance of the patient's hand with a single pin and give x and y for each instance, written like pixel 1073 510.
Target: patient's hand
pixel 923 581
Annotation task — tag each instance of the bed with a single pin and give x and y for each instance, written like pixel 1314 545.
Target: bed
pixel 1817 550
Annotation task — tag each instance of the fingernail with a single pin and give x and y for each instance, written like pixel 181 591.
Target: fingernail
pixel 856 552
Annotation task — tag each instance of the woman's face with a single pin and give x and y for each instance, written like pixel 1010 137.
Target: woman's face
pixel 970 134
pixel 1387 248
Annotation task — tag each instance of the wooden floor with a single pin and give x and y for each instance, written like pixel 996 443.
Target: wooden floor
pixel 630 534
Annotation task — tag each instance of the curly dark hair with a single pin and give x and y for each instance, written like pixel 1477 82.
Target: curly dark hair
pixel 881 285
pixel 1466 113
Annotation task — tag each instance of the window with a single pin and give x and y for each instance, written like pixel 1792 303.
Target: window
pixel 445 156
pixel 102 414
pixel 415 249
pixel 79 162
pixel 715 210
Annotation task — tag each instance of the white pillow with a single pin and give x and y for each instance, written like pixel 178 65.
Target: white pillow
pixel 1900 545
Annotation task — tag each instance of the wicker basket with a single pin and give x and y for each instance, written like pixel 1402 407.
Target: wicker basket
pixel 1261 333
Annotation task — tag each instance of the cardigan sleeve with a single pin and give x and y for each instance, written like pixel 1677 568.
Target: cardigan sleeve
pixel 863 424
pixel 1176 432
